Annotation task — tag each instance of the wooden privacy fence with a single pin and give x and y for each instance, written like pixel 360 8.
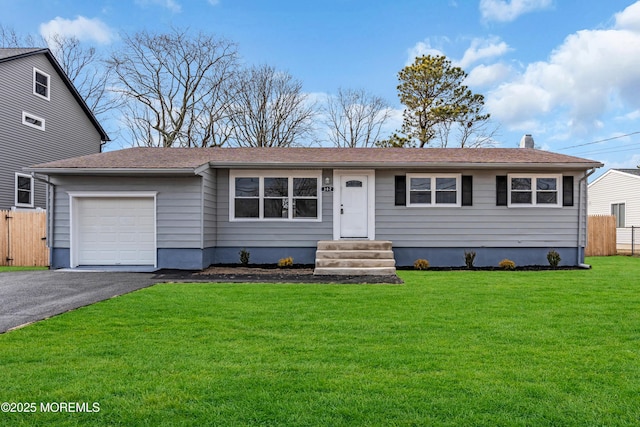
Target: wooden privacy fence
pixel 601 235
pixel 22 238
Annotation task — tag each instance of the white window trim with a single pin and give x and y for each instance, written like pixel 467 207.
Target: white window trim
pixel 31 191
pixel 48 97
pixel 33 116
pixel 533 203
pixel 433 177
pixel 261 174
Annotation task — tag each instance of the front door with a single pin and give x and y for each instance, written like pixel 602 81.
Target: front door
pixel 354 212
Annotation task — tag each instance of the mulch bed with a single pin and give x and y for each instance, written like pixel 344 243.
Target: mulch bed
pixel 266 274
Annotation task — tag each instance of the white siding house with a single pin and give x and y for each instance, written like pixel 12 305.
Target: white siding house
pixel 617 192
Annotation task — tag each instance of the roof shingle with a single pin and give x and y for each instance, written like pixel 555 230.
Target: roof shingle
pixel 145 158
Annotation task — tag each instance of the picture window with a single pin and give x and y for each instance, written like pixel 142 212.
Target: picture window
pixel 33 121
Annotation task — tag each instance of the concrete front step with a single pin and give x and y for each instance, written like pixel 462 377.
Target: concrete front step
pixel 354 245
pixel 346 271
pixel 355 263
pixel 356 254
pixel 355 258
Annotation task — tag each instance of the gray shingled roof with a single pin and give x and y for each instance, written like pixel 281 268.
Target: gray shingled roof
pixel 189 159
pixel 12 52
pixel 630 171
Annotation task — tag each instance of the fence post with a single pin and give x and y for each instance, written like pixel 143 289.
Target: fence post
pixel 8 259
pixel 633 240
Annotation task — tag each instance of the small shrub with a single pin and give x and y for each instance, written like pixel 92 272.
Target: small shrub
pixel 469 258
pixel 244 256
pixel 507 264
pixel 421 264
pixel 554 258
pixel 285 262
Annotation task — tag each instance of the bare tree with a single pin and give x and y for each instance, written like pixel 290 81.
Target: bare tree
pixel 83 65
pixel 88 71
pixel 355 118
pixel 175 87
pixel 269 109
pixel 9 38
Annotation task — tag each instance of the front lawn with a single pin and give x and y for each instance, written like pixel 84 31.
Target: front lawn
pixel 446 348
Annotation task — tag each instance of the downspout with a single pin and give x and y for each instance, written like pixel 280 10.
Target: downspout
pixel 582 180
pixel 50 212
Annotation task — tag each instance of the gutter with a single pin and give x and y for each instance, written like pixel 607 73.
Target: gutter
pixel 580 210
pixel 115 171
pixel 404 165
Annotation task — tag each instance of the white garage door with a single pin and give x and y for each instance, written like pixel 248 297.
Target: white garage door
pixel 115 231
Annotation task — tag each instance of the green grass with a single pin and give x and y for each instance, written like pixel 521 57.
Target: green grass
pixel 5 269
pixel 486 348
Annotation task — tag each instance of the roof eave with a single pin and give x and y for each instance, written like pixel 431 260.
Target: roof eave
pixel 404 165
pixel 113 171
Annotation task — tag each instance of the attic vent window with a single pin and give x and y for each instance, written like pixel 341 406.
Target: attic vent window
pixel 32 121
pixel 41 84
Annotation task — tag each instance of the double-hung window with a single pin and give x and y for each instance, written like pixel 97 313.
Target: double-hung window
pixel 618 210
pixel 24 190
pixel 272 196
pixel 433 190
pixel 41 84
pixel 535 190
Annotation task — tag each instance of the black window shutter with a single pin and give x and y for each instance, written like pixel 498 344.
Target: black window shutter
pixel 501 190
pixel 401 190
pixel 567 191
pixel 467 190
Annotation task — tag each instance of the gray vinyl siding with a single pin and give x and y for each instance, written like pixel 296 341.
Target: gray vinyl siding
pixel 269 233
pixel 178 206
pixel 68 130
pixel 482 225
pixel 209 202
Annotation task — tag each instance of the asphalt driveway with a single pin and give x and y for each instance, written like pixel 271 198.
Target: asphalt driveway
pixel 29 296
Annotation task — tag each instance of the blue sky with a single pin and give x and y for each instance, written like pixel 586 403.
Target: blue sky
pixel 566 71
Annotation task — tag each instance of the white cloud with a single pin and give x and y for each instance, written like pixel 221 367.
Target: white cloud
pixel 214 2
pixel 486 75
pixel 629 18
pixel 590 73
pixel 629 163
pixel 483 49
pixel 172 5
pixel 510 10
pixel 84 29
pixel 631 116
pixel 422 48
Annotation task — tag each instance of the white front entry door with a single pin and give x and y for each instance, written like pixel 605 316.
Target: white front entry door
pixel 354 206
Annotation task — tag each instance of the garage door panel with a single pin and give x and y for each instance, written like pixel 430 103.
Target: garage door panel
pixel 115 231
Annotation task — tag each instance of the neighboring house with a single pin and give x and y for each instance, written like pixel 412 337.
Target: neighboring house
pixel 42 118
pixel 617 192
pixel 190 208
